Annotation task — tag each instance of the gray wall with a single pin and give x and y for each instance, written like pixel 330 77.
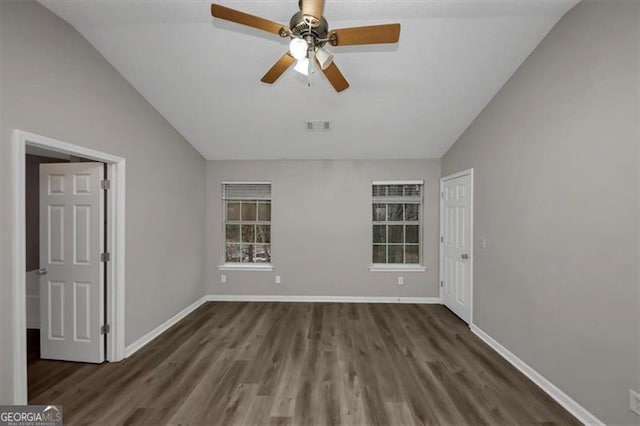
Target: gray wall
pixel 556 162
pixel 56 84
pixel 321 228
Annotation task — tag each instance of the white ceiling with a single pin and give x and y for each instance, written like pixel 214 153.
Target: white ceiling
pixel 411 100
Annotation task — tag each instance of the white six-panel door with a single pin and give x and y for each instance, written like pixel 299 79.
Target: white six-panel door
pixel 456 244
pixel 72 275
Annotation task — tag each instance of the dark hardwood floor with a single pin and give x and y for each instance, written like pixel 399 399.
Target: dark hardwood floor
pixel 302 364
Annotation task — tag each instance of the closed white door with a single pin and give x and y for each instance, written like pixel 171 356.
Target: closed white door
pixel 72 274
pixel 457 199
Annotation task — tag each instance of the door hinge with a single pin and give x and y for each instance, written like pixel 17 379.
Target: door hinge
pixel 105 329
pixel 105 257
pixel 441 283
pixel 441 239
pixel 105 184
pixel 442 195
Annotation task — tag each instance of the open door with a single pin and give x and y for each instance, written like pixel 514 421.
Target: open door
pixel 72 273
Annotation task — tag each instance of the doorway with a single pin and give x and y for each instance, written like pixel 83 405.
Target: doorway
pixel 456 244
pixel 110 263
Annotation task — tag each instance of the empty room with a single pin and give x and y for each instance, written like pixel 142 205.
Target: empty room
pixel 283 212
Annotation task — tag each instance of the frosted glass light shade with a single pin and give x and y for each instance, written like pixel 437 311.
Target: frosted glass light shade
pixel 324 58
pixel 298 48
pixel 302 66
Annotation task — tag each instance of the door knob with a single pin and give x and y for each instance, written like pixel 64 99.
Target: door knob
pixel 42 271
pixel 465 256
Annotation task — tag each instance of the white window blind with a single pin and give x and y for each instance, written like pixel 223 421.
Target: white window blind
pixel 246 191
pixel 399 193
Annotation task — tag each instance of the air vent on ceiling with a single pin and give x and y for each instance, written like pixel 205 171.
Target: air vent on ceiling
pixel 318 126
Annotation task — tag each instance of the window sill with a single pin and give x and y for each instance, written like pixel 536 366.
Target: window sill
pixel 245 267
pixel 382 267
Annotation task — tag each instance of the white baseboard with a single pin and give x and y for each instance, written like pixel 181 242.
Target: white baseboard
pixel 141 342
pixel 554 392
pixel 320 299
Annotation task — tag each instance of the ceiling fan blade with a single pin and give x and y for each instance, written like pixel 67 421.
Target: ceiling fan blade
pixel 374 34
pixel 312 7
pixel 334 76
pixel 249 20
pixel 278 68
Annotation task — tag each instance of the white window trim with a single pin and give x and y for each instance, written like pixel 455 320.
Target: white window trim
pixel 397 267
pixel 402 267
pixel 398 182
pixel 246 267
pixel 241 266
pixel 242 182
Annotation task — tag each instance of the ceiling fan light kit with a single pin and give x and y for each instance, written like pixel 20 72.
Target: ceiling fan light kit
pixel 309 32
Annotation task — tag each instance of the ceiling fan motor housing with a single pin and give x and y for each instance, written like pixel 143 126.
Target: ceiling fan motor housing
pixel 308 26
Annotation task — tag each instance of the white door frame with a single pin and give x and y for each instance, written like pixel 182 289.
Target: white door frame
pixel 115 283
pixel 468 172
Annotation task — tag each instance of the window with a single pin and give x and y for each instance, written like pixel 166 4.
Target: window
pixel 397 224
pixel 247 223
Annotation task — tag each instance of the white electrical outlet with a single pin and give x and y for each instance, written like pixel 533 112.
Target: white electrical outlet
pixel 223 278
pixel 278 281
pixel 634 402
pixel 400 280
pixel 483 243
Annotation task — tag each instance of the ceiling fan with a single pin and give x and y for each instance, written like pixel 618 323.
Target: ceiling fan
pixel 309 32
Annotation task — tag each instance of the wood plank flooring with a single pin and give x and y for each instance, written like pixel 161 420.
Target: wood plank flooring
pixel 302 364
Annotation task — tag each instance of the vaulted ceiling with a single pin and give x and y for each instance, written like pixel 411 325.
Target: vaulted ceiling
pixel 411 100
